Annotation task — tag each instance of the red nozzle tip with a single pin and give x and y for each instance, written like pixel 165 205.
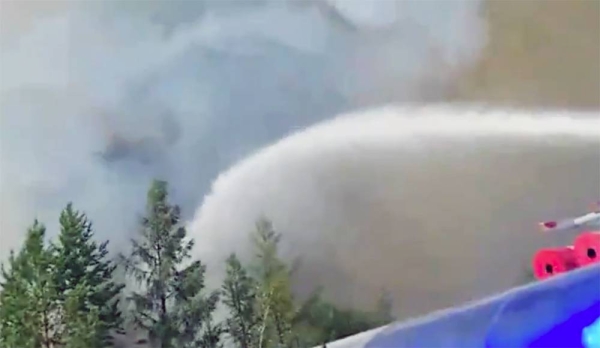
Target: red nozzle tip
pixel 548 225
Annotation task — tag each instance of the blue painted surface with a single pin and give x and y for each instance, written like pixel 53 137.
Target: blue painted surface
pixel 570 332
pixel 550 313
pixel 557 305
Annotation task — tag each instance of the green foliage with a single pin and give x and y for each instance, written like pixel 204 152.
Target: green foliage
pixel 171 306
pixel 274 301
pixel 239 293
pixel 65 295
pixel 83 325
pixel 80 261
pixel 17 325
pixel 29 314
pixel 319 321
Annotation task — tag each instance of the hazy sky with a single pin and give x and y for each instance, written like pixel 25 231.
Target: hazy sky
pixel 192 87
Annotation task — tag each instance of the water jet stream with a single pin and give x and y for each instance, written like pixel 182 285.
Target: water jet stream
pixel 436 203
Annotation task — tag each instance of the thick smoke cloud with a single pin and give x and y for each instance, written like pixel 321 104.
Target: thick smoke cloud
pixel 97 98
pixel 437 204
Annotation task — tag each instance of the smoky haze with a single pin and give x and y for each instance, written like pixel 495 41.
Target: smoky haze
pixel 98 98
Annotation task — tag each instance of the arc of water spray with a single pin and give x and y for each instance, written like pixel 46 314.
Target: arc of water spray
pixel 391 124
pixel 290 179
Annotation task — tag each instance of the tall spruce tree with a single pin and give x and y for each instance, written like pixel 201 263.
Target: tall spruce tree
pixel 171 305
pixel 82 328
pixel 19 324
pixel 80 261
pixel 29 311
pixel 239 293
pixel 275 300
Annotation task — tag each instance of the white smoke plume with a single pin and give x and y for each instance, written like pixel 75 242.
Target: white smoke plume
pixel 97 98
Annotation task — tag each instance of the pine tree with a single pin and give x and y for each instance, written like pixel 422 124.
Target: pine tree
pixel 29 312
pixel 319 321
pixel 239 295
pixel 192 310
pixel 170 306
pixel 17 329
pixel 82 327
pixel 80 261
pixel 312 322
pixel 275 300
